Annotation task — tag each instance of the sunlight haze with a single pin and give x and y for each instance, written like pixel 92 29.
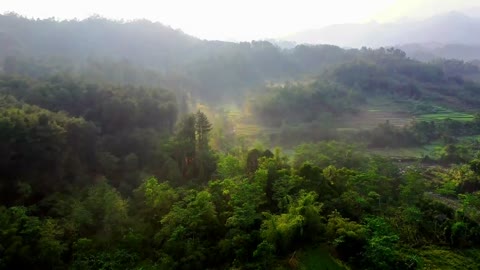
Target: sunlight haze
pixel 238 20
pixel 240 134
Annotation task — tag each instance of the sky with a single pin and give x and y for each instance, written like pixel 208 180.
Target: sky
pixel 239 20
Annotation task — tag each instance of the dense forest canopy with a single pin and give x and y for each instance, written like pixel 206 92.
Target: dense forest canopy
pixel 131 145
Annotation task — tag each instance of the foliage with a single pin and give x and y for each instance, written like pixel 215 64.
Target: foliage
pixel 102 168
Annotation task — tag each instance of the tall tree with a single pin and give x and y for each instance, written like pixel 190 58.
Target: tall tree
pixel 204 158
pixel 202 127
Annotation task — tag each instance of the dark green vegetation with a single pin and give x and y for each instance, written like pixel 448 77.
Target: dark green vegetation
pixel 104 165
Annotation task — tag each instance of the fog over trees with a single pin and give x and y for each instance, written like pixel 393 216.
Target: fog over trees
pixel 133 145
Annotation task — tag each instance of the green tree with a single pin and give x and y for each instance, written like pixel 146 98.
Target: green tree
pixel 347 236
pixel 28 242
pixel 286 230
pixel 188 230
pixel 229 167
pixel 202 128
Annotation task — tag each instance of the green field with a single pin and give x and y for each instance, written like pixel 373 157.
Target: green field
pixel 442 116
pixel 376 112
pixel 399 114
pixel 400 153
pixel 408 152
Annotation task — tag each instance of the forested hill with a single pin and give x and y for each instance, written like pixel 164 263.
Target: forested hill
pixel 141 41
pixel 143 53
pixel 121 148
pixel 146 53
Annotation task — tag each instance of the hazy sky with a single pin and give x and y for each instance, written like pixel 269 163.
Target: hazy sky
pixel 238 19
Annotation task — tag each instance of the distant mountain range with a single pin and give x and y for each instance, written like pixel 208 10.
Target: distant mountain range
pixel 149 44
pixel 450 35
pixel 450 28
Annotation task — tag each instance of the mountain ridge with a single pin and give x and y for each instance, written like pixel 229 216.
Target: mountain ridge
pixel 448 28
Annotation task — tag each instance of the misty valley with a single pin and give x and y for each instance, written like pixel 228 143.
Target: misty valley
pixel 133 145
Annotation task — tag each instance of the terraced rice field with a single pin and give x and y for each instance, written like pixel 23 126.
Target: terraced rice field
pixel 244 125
pixel 378 111
pixel 371 118
pixel 242 129
pixel 446 115
pixel 410 152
